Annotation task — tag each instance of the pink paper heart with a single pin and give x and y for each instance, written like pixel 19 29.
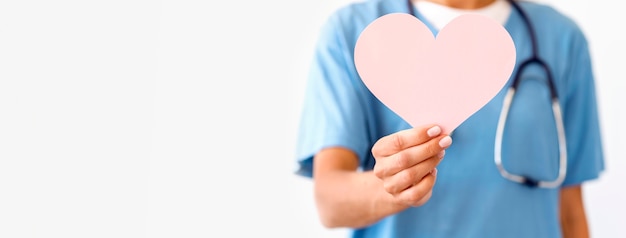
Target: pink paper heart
pixel 442 80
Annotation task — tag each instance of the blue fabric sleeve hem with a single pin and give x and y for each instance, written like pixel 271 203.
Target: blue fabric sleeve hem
pixel 305 168
pixel 582 179
pixel 305 161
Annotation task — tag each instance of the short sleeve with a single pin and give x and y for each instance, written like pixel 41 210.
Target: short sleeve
pixel 332 112
pixel 582 128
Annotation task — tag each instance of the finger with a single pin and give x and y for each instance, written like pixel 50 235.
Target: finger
pixel 423 200
pixel 408 177
pixel 391 144
pixel 410 157
pixel 418 194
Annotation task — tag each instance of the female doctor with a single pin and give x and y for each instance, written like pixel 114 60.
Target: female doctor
pixel 374 173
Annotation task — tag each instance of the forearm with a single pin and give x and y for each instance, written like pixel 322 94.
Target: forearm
pixel 352 199
pixel 403 176
pixel 574 228
pixel 573 217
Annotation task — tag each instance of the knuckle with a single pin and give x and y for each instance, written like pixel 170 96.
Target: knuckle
pixel 388 188
pixel 415 196
pixel 407 177
pixel 418 194
pixel 432 149
pixel 387 145
pixel 401 160
pixel 376 150
pixel 396 142
pixel 378 171
pixel 423 200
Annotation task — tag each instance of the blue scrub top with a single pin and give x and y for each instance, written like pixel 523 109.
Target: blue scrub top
pixel 470 197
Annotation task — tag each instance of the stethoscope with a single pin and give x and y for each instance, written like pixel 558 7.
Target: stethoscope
pixel 556 109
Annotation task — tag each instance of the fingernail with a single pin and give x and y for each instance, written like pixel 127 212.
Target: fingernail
pixel 434 172
pixel 433 131
pixel 445 142
pixel 441 154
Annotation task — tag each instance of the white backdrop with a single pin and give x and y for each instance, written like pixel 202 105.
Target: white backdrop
pixel 131 118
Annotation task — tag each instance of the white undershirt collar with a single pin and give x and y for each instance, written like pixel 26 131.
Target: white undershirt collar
pixel 439 15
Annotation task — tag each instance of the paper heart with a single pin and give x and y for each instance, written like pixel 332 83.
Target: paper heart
pixel 442 80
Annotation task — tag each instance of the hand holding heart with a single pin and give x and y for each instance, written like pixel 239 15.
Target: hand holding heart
pixel 441 80
pixel 406 163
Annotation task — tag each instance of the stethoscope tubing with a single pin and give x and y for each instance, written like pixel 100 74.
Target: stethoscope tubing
pixel 510 95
